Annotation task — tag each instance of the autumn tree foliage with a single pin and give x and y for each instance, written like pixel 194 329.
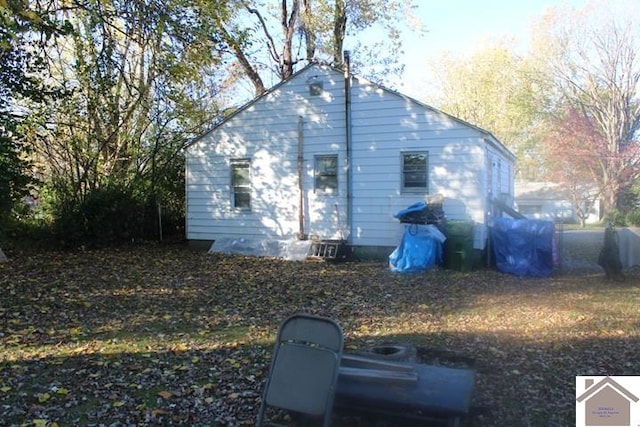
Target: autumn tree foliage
pixel 578 156
pixel 592 55
pixel 575 95
pixel 136 80
pixel 20 84
pixel 500 91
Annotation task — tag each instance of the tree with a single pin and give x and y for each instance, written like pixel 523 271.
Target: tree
pixel 133 73
pixel 316 27
pixel 139 78
pixel 592 55
pixel 576 154
pixel 501 92
pixel 21 33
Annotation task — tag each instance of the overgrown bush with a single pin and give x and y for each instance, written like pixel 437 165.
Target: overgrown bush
pixel 112 215
pixel 107 215
pixel 633 217
pixel 617 218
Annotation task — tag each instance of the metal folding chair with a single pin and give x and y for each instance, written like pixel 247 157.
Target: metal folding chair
pixel 304 369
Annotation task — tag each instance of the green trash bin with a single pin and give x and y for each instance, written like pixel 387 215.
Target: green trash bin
pixel 458 248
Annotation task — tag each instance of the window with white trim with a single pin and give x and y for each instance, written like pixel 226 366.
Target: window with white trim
pixel 326 174
pixel 241 184
pixel 415 172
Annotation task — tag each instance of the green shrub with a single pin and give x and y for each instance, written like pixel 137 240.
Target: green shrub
pixel 107 215
pixel 617 218
pixel 633 217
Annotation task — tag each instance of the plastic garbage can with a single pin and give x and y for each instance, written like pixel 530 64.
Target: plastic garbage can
pixel 459 245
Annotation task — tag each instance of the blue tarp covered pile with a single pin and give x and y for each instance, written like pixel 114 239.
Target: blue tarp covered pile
pixel 415 213
pixel 523 247
pixel 421 213
pixel 420 249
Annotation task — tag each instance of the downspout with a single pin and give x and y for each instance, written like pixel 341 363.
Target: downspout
pixel 488 207
pixel 301 234
pixel 347 109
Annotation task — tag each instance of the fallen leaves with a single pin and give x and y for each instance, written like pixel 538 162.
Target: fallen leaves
pixel 157 335
pixel 165 394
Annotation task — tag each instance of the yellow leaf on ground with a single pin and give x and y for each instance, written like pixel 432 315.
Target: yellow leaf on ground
pixel 43 397
pixel 165 394
pixel 180 347
pixel 118 403
pixel 5 389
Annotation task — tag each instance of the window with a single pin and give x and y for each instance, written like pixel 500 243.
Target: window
pixel 241 184
pixel 414 172
pixel 327 174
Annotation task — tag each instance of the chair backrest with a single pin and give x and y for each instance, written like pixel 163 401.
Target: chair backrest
pixel 304 369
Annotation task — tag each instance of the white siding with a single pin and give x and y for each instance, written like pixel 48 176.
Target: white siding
pixel 384 124
pixel 267 132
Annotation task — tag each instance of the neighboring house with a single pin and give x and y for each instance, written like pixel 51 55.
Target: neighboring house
pixel 549 201
pixel 322 155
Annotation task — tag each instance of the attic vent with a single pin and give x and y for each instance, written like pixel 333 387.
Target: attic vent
pixel 315 89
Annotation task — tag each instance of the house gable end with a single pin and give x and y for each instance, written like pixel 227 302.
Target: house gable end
pixel 270 93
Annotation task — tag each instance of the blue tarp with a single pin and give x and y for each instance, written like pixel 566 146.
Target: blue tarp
pixel 523 247
pixel 415 208
pixel 420 249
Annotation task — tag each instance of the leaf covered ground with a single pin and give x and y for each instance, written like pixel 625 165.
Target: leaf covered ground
pixel 163 335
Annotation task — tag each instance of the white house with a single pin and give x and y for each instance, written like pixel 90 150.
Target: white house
pixel 550 201
pixel 334 156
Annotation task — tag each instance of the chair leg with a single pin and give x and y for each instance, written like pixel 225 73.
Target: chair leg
pixel 260 422
pixel 453 422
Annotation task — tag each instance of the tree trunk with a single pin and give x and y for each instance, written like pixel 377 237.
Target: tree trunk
pixel 339 29
pixel 309 35
pixel 251 72
pixel 288 29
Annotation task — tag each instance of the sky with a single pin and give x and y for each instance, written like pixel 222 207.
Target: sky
pixel 460 26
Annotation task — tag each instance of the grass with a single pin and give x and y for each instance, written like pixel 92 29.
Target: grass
pixel 161 335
